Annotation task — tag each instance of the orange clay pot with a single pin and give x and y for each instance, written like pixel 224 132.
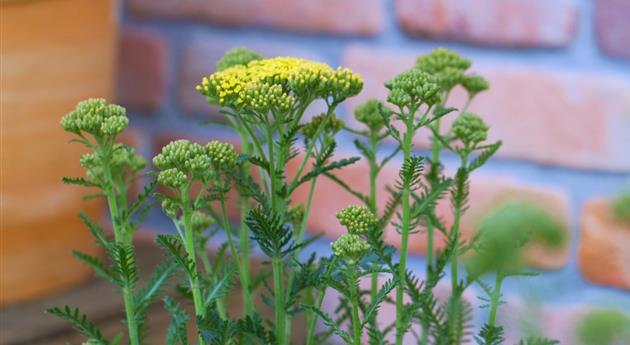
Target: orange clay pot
pixel 54 54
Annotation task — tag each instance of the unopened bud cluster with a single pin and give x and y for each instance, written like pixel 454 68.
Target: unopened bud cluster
pixel 358 220
pixel 449 69
pixel 372 113
pixel 123 160
pixel 236 57
pixel 96 117
pixel 182 158
pixel 470 129
pixel 413 88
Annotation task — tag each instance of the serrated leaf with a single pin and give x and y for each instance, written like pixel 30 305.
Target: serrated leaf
pixel 99 268
pixel 80 322
pixel 80 181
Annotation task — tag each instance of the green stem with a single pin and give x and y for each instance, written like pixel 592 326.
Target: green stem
pixel 406 222
pixel 356 321
pixel 373 139
pixel 121 238
pixel 494 302
pixel 208 268
pixel 248 303
pixel 243 274
pixel 279 300
pixel 189 245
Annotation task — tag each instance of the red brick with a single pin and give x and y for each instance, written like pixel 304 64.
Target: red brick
pixel 201 55
pixel 141 70
pixel 532 23
pixel 486 193
pixel 552 117
pixel 613 27
pixel 603 255
pixel 352 17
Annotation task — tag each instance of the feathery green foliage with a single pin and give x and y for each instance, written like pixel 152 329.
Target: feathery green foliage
pixel 266 102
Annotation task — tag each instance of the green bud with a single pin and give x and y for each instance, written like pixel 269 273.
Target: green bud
pixel 176 154
pixel 295 214
pixel 470 129
pixel 413 88
pixel 237 56
pixel 369 113
pixel 357 219
pixel 172 178
pixel 332 125
pixel 440 60
pixel 351 247
pixel 475 84
pixel 96 117
pixel 200 221
pixel 170 208
pixel 221 155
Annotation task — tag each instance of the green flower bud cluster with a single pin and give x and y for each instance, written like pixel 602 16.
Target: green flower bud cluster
pixel 182 157
pixel 277 82
pixel 351 247
pixel 470 129
pixel 96 117
pixel 357 219
pixel 237 56
pixel 441 59
pixel 172 178
pixel 200 221
pixel 170 208
pixel 447 66
pixel 475 84
pixel 331 125
pixel 413 88
pixel 369 113
pixel 123 160
pixel 222 155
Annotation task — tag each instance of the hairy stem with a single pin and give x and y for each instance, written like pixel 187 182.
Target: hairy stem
pixel 190 249
pixel 373 140
pixel 356 321
pixel 120 237
pixel 279 300
pixel 494 301
pixel 405 229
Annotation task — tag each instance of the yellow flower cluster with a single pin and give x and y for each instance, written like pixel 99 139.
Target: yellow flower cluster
pixel 262 85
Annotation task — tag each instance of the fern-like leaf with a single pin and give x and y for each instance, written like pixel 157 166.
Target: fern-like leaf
pixel 80 322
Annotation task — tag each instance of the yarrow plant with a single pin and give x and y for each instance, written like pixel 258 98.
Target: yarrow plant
pixel 269 104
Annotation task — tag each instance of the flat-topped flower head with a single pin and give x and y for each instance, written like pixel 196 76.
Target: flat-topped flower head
pixel 330 124
pixel 441 59
pixel 357 219
pixel 370 113
pixel 96 117
pixel 350 247
pixel 475 84
pixel 276 83
pixel 221 155
pixel 413 88
pixel 237 56
pixel 470 129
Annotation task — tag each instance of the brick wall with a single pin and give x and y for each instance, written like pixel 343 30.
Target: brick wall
pixel 560 101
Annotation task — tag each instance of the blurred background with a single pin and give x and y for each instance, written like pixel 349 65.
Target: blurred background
pixel 559 99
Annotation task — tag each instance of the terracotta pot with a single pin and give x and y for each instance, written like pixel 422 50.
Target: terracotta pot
pixel 54 54
pixel 603 253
